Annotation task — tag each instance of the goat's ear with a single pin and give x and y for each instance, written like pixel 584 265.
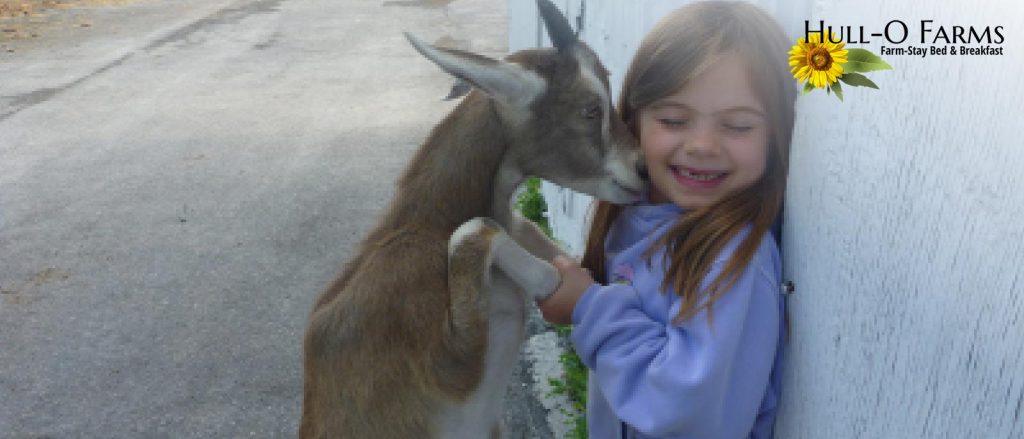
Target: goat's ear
pixel 459 89
pixel 559 30
pixel 507 82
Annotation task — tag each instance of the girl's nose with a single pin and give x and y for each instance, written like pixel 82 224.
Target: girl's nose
pixel 702 140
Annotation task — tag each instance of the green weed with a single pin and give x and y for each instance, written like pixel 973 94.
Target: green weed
pixel 573 383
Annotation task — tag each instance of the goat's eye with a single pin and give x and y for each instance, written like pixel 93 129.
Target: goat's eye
pixel 592 111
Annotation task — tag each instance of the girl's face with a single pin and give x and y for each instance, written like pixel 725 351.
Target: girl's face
pixel 708 139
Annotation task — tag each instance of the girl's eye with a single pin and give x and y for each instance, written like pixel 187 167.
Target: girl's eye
pixel 738 128
pixel 672 123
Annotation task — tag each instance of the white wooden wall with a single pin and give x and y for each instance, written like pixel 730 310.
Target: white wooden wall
pixel 904 228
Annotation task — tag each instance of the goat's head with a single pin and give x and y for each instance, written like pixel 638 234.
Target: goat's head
pixel 556 110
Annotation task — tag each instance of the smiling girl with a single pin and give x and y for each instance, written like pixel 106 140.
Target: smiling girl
pixel 682 329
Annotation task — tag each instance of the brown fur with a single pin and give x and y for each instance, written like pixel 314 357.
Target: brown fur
pixel 380 317
pixel 403 332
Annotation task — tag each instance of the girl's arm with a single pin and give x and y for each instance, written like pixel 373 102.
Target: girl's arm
pixel 665 379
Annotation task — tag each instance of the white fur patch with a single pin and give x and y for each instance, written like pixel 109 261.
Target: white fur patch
pixel 467 230
pixel 587 72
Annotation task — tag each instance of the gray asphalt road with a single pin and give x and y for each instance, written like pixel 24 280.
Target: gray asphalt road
pixel 178 179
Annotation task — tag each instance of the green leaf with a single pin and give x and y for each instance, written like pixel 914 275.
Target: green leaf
pixel 857 80
pixel 861 60
pixel 837 89
pixel 807 87
pixel 532 205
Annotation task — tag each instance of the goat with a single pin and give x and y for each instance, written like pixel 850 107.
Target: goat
pixel 419 335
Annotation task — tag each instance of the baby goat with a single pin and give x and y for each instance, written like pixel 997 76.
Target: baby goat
pixel 419 335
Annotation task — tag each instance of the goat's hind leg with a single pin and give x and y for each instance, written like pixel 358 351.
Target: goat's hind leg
pixel 469 261
pixel 487 271
pixel 537 277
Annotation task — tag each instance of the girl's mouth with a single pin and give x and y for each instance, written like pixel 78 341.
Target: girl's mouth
pixel 698 179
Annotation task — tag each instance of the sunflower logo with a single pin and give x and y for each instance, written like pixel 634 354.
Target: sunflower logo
pixel 821 63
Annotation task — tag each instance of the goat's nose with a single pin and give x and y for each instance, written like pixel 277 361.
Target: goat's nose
pixel 641 169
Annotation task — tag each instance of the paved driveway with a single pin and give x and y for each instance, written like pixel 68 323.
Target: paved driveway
pixel 177 181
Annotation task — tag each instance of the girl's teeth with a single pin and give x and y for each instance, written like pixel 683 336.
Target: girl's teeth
pixel 698 177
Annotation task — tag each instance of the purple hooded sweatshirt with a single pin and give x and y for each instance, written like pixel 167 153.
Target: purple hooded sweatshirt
pixel 650 378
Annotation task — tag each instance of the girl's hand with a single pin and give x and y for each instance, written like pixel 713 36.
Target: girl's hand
pixel 558 307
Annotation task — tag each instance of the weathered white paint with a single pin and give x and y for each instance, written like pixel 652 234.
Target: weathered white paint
pixel 904 229
pixel 905 240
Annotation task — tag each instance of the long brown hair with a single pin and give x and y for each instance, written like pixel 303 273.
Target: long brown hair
pixel 679 48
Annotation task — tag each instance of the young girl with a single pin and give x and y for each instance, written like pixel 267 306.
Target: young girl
pixel 683 334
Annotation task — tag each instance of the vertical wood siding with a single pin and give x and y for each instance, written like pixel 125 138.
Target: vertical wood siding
pixel 904 225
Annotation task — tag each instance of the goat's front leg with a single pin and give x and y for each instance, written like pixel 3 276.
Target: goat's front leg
pixel 530 269
pixel 532 238
pixel 522 230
